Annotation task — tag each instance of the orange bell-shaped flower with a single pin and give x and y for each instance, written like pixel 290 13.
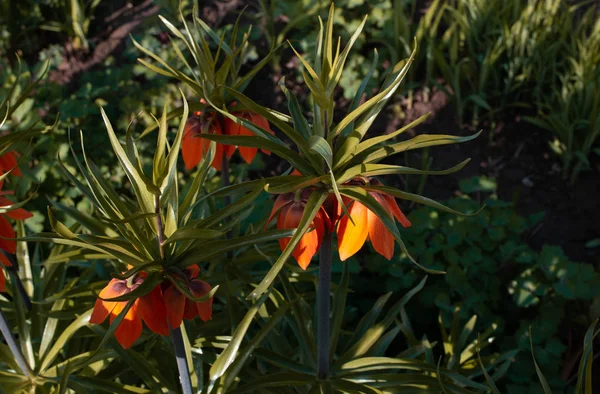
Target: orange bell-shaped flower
pixel 290 213
pixel 232 128
pixel 179 307
pixel 149 308
pixel 194 147
pixel 367 225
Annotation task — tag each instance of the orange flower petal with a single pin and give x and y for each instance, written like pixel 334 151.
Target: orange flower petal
pixel 222 151
pixel 191 145
pixel 130 328
pixel 392 205
pixel 101 311
pixel 6 230
pixel 381 238
pixel 261 122
pixel 200 288
pixel 190 311
pixel 192 271
pixel 227 149
pixel 218 160
pixel 114 288
pixel 175 305
pixel 307 248
pixel 280 201
pixel 351 237
pixel 231 127
pixel 152 310
pixel 309 244
pixel 247 152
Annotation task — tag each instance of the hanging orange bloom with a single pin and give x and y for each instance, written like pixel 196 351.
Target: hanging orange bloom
pixel 179 307
pixel 367 225
pixel 6 229
pixel 232 128
pixel 149 308
pixel 193 146
pixel 290 210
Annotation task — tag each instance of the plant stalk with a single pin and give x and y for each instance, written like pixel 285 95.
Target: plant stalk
pixel 14 348
pixel 182 365
pixel 176 335
pixel 227 201
pixel 323 307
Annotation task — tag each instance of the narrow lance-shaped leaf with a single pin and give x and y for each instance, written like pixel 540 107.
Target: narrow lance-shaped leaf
pixel 539 372
pixel 386 169
pixel 584 373
pixel 201 251
pixel 371 107
pixel 66 334
pixel 342 157
pixel 419 199
pixel 376 154
pixel 144 197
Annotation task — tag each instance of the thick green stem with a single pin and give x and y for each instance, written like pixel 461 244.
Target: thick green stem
pixel 14 348
pixel 227 201
pixel 323 307
pixel 182 365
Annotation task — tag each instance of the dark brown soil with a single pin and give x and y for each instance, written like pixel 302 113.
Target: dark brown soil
pixel 518 156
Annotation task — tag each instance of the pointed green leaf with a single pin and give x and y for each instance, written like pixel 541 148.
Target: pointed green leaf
pixel 540 375
pixel 376 154
pixel 386 169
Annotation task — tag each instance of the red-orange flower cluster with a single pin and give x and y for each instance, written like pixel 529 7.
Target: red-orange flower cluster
pixel 8 162
pixel 351 236
pixel 180 307
pixel 194 147
pixel 367 225
pixel 160 309
pixel 291 208
pixel 149 308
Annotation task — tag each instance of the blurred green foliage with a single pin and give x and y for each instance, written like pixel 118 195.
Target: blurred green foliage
pixel 494 274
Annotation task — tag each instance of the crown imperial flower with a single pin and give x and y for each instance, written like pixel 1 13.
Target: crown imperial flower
pixel 150 308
